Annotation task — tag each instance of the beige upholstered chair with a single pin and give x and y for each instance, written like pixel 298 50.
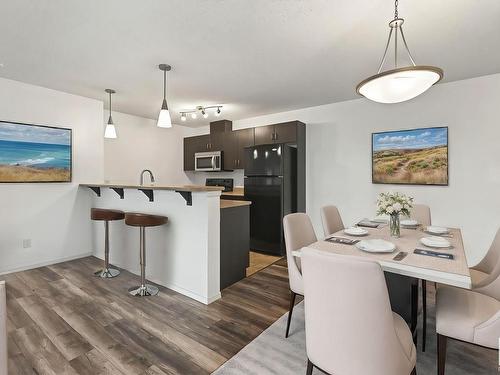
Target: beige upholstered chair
pixel 332 222
pixel 350 328
pixel 299 232
pixel 468 316
pixel 488 269
pixel 421 213
pixel 3 329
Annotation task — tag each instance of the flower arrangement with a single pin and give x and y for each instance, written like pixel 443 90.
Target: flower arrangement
pixel 394 204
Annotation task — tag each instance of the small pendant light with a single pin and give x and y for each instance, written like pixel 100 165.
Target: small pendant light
pixel 164 120
pixel 110 131
pixel 401 83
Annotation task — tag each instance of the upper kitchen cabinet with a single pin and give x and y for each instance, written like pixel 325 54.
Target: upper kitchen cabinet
pixel 244 138
pixel 286 132
pixel 193 145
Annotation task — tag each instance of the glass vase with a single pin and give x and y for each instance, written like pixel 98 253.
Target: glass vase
pixel 395 226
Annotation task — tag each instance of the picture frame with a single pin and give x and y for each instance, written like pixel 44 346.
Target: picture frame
pixel 418 156
pixel 33 153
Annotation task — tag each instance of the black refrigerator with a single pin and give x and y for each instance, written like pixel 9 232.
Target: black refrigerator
pixel 271 186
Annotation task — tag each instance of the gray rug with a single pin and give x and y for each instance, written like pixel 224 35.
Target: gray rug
pixel 271 353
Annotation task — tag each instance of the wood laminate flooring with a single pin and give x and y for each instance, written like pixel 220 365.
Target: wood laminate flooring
pixel 259 261
pixel 63 320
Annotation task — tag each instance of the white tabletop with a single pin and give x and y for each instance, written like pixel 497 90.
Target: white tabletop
pixel 451 272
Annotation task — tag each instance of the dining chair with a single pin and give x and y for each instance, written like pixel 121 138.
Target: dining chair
pixel 488 268
pixel 3 329
pixel 332 222
pixel 299 232
pixel 422 214
pixel 348 316
pixel 466 315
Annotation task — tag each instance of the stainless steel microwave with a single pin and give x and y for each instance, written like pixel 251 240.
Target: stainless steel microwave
pixel 208 161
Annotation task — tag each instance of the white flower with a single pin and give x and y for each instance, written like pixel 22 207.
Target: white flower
pixel 406 206
pixel 389 210
pixel 397 207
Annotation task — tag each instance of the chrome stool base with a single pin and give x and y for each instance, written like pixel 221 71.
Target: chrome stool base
pixel 144 290
pixel 107 273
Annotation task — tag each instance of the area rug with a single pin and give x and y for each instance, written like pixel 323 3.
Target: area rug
pixel 271 353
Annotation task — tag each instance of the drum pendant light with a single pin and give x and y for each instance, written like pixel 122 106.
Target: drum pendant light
pixel 164 120
pixel 110 131
pixel 401 83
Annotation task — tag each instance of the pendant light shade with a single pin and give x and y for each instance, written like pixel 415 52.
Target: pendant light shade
pixel 401 83
pixel 164 119
pixel 110 131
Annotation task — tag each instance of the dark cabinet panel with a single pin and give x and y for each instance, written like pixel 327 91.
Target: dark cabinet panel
pixel 245 138
pixel 230 150
pixel 264 135
pixel 285 132
pixel 193 145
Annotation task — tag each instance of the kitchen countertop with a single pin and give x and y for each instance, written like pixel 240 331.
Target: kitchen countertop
pixel 226 203
pixel 237 192
pixel 191 188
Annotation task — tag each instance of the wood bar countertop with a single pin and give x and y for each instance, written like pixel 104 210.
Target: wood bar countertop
pixel 238 191
pixel 226 203
pixel 191 188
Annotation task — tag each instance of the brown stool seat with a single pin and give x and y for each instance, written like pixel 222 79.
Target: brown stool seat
pixel 106 215
pixel 136 219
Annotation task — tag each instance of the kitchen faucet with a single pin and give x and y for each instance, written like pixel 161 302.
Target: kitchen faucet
pixel 150 174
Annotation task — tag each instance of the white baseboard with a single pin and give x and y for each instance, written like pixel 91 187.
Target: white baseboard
pixel 30 266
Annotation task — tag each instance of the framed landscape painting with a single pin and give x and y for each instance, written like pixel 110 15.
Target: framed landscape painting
pixel 417 156
pixel 34 153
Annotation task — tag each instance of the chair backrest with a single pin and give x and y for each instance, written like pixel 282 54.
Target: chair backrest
pixel 349 322
pixel 299 232
pixel 3 329
pixel 422 214
pixel 490 264
pixel 332 222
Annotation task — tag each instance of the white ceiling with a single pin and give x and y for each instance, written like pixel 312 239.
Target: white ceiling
pixel 254 57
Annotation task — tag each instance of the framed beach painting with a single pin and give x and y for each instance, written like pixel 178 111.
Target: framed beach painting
pixel 34 153
pixel 416 156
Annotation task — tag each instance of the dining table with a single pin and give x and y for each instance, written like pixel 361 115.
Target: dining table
pixel 403 273
pixel 453 272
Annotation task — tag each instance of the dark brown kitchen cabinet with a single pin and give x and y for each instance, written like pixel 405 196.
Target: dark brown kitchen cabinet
pixel 193 145
pixel 245 138
pixel 264 135
pixel 230 150
pixel 285 132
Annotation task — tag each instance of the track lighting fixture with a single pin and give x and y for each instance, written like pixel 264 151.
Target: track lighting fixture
pixel 205 112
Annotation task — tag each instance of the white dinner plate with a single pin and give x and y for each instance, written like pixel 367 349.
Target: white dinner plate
pixel 409 223
pixel 437 230
pixel 376 246
pixel 355 231
pixel 437 242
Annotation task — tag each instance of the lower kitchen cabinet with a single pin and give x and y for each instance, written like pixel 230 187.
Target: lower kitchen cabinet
pixel 234 244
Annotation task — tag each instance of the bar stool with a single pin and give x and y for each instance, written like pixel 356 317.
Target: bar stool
pixel 105 215
pixel 142 221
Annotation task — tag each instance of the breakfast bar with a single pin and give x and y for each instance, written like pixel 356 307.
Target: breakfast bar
pixel 184 254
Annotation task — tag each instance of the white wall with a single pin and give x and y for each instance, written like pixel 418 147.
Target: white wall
pixel 339 156
pixel 53 216
pixel 142 145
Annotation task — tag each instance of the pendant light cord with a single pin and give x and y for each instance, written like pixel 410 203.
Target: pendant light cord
pixel 396 9
pixel 164 84
pixel 110 104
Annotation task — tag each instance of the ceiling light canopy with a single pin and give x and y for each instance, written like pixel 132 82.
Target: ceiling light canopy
pixel 110 131
pixel 398 84
pixel 164 119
